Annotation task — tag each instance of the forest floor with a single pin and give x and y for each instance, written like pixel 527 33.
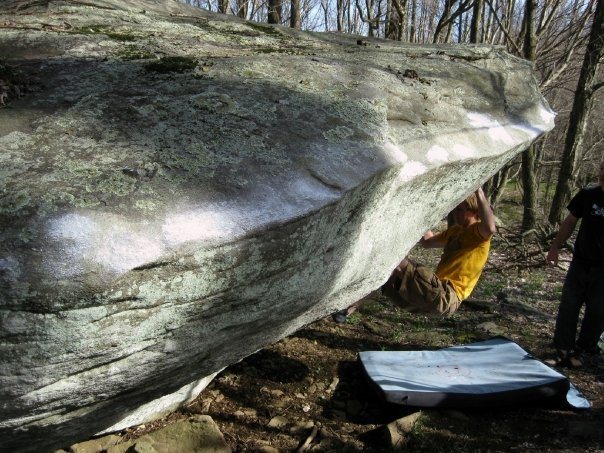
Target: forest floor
pixel 308 392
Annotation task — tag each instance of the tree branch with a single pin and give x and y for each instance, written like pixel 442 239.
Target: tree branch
pixel 462 8
pixel 505 30
pixel 576 41
pixel 544 24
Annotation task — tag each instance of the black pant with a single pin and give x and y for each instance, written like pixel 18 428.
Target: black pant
pixel 583 284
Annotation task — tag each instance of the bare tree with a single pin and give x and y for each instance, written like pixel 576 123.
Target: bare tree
pixel 340 15
pixel 477 19
pixel 274 11
pixel 582 105
pixel 529 186
pixel 242 8
pixel 559 47
pixel 445 19
pixel 369 16
pixel 223 6
pixel 413 22
pixel 505 25
pixel 294 19
pixel 448 17
pixel 397 18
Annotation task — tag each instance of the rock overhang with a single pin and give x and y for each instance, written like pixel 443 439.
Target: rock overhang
pixel 225 156
pixel 258 181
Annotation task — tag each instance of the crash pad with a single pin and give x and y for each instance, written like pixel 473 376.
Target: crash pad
pixel 489 373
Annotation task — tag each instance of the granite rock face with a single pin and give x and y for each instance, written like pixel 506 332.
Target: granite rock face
pixel 180 189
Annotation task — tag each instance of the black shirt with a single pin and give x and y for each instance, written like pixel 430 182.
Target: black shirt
pixel 588 205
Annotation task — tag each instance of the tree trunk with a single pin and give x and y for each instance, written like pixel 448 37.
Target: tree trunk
pixel 370 18
pixel 356 19
pixel 477 13
pixel 325 8
pixel 448 17
pixel 340 15
pixel 582 105
pixel 378 15
pixel 459 29
pixel 242 6
pixel 223 6
pixel 398 17
pixel 413 21
pixel 294 19
pixel 388 22
pixel 444 19
pixel 274 11
pixel 499 183
pixel 490 25
pixel 529 186
pixel 462 27
pixel 530 37
pixel 493 188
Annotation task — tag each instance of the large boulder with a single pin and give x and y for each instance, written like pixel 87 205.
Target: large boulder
pixel 180 189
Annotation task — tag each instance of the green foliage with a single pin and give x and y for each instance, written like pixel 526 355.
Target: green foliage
pixel 121 36
pixel 131 52
pixel 556 292
pixel 489 286
pixel 397 334
pixel 533 283
pixel 263 28
pixel 466 337
pixel 354 318
pixel 417 432
pixel 416 322
pixel 173 63
pixel 372 307
pixel 104 30
pixel 526 334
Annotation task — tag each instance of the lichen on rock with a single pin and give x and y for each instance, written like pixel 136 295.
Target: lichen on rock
pixel 181 189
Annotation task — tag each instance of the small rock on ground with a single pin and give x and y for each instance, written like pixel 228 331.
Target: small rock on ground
pixel 197 433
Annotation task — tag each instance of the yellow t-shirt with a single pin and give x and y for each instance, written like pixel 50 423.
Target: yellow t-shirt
pixel 463 259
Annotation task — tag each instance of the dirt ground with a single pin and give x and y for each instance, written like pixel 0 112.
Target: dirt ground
pixel 308 392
